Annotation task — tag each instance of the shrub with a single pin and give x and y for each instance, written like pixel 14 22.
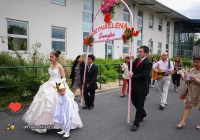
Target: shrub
pixel 109 67
pixel 187 63
pixel 154 55
pixel 21 81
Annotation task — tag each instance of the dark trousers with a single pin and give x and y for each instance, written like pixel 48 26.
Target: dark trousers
pixel 153 82
pixel 89 99
pixel 176 79
pixel 138 101
pixel 150 81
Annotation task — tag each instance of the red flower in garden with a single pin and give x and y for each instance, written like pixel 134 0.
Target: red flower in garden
pixel 107 17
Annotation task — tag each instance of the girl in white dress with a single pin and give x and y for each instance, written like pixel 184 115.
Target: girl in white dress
pixel 44 102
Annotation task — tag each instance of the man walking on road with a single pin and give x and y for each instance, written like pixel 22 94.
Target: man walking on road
pixel 167 67
pixel 140 85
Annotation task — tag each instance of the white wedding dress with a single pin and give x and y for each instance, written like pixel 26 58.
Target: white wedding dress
pixel 44 103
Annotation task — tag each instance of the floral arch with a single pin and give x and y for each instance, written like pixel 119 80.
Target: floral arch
pixel 112 30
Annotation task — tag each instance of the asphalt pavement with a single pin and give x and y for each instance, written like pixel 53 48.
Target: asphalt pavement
pixel 108 121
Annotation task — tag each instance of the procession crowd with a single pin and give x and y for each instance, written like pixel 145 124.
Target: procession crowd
pixel 54 103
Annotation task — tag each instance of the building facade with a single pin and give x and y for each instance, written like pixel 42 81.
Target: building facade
pixel 62 25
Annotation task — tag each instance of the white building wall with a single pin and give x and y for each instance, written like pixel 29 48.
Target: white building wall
pixel 155 34
pixel 41 15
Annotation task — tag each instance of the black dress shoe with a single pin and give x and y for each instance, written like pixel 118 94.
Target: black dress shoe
pixel 85 107
pixel 161 107
pixel 90 108
pixel 134 128
pixel 123 95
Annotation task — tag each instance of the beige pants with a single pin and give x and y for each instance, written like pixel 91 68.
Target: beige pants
pixel 163 85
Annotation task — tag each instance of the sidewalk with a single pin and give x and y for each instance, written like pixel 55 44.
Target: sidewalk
pixel 105 87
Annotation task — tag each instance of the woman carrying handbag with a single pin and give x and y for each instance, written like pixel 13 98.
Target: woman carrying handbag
pixel 178 66
pixel 192 98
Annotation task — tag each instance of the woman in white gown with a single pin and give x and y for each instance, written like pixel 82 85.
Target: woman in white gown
pixel 44 102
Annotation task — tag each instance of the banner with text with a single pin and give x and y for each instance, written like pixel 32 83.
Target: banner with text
pixel 109 31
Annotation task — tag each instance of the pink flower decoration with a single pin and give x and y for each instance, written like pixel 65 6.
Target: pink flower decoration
pixel 117 1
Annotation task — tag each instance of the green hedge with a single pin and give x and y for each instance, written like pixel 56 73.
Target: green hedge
pixel 186 62
pixel 34 75
pixel 19 76
pixel 110 67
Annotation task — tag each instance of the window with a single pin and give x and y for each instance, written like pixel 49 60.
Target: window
pixel 58 39
pixel 126 15
pixel 87 14
pixel 139 27
pixel 62 2
pixel 167 36
pixel 150 21
pixel 18 34
pixel 160 24
pixel 109 49
pixel 85 47
pixel 167 47
pixel 150 45
pixel 87 17
pixel 125 49
pixel 138 52
pixel 159 48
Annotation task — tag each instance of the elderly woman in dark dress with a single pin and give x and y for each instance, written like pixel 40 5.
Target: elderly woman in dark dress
pixel 193 96
pixel 77 73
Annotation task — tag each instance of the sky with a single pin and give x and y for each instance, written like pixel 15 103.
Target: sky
pixel 188 8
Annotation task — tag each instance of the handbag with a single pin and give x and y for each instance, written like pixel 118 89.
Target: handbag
pixel 179 72
pixel 184 92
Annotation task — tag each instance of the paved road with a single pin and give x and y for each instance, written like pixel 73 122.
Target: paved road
pixel 107 121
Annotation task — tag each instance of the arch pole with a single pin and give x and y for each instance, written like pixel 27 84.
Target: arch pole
pixel 131 47
pixel 82 90
pixel 131 62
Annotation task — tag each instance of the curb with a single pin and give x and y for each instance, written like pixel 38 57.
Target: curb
pixel 104 90
pixel 99 91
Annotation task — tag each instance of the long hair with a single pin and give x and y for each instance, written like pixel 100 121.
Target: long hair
pixel 179 59
pixel 152 59
pixel 125 59
pixel 76 61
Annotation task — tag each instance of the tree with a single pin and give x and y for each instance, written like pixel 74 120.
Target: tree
pixel 196 39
